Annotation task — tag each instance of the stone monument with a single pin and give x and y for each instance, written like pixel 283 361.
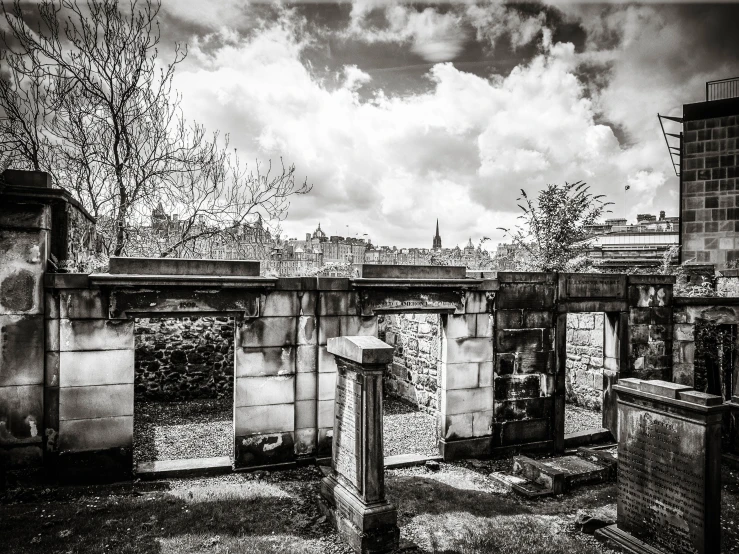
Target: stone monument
pixel 354 492
pixel 669 469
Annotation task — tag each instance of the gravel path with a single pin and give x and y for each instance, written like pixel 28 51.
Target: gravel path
pixel 178 430
pixel 408 430
pixel 578 418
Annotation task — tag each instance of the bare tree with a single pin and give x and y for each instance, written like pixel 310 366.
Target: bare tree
pixel 89 101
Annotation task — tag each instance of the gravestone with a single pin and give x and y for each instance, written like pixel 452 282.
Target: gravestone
pixel 669 469
pixel 354 492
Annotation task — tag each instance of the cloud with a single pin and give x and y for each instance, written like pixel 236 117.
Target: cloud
pixel 391 165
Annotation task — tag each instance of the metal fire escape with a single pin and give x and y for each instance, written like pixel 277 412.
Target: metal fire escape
pixel 675 151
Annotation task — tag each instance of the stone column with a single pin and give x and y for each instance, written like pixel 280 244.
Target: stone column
pixel 669 469
pixel 354 492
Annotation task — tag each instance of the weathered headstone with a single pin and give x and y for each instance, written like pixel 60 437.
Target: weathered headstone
pixel 355 490
pixel 669 469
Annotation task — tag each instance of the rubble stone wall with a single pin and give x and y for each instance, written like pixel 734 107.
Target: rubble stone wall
pixel 414 373
pixel 584 366
pixel 183 359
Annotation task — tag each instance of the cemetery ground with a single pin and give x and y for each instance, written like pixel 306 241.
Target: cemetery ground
pixel 457 509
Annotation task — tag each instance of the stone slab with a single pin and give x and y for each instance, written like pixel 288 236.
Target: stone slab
pixel 95 402
pixel 95 334
pixel 409 460
pixel 624 542
pixel 79 435
pixel 192 467
pixel 267 331
pixel 21 414
pixel 21 349
pixel 182 266
pixel 255 420
pixel 380 271
pixel 361 349
pixel 23 255
pixel 264 391
pixel 256 361
pixel 103 367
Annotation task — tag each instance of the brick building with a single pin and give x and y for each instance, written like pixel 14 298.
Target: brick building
pixel 708 162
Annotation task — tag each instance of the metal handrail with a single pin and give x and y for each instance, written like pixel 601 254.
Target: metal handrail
pixel 722 89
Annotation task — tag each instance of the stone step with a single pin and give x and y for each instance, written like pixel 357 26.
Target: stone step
pixel 184 468
pixel 524 487
pixel 589 436
pixel 563 473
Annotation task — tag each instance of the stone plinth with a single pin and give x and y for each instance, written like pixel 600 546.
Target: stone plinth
pixel 669 469
pixel 355 490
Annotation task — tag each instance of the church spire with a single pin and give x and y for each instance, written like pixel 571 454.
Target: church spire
pixel 437 237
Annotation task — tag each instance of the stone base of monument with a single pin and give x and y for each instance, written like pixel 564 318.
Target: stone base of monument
pixel 624 542
pixel 368 528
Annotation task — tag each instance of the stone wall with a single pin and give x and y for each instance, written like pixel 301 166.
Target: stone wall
pixel 182 359
pixel 584 366
pixel 416 368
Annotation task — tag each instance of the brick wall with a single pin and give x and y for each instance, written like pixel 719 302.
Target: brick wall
pixel 414 373
pixel 710 199
pixel 584 366
pixel 182 359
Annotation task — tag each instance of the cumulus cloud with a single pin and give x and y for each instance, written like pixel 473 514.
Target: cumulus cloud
pixel 391 165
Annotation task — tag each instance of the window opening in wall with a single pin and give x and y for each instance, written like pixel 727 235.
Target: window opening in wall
pixel 584 371
pixel 183 388
pixel 411 387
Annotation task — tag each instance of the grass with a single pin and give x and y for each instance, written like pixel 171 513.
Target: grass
pixel 458 510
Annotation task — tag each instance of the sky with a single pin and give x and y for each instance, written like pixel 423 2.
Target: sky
pixel 399 114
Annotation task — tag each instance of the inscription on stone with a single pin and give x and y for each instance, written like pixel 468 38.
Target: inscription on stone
pixel 348 430
pixel 661 483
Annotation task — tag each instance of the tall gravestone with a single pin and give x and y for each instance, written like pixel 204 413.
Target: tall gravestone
pixel 669 469
pixel 355 490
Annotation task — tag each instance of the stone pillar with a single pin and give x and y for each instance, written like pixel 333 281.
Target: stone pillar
pixel 24 237
pixel 615 359
pixel 354 492
pixel 650 326
pixel 89 384
pixel 669 469
pixel 529 393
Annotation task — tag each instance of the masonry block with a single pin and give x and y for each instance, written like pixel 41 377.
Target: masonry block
pixel 512 340
pixel 280 304
pixel 486 374
pixel 329 327
pixel 529 296
pixel 325 414
pixel 21 349
pixel 95 402
pixel 462 401
pixel 103 367
pixel 326 386
pixel 305 441
pixel 306 386
pixel 51 336
pixel 264 448
pixel 523 431
pixel 52 309
pixel 482 423
pixel 326 361
pixel 306 414
pixel 51 369
pixel 338 303
pixel 467 350
pixel 484 325
pixel 24 216
pixel 79 435
pixel 306 359
pixel 513 387
pixel 263 391
pixel 509 319
pixel 460 376
pixel 535 361
pixel 21 414
pixel 308 302
pixel 95 334
pixel 461 326
pixel 23 255
pixel 457 426
pixel 353 326
pixel 307 330
pixel 255 362
pixel 267 331
pixel 476 303
pixel 83 304
pixel 255 420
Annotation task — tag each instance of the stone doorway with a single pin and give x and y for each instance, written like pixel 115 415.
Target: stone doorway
pixel 411 386
pixel 183 389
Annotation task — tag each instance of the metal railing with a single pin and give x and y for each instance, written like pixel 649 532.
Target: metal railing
pixel 722 89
